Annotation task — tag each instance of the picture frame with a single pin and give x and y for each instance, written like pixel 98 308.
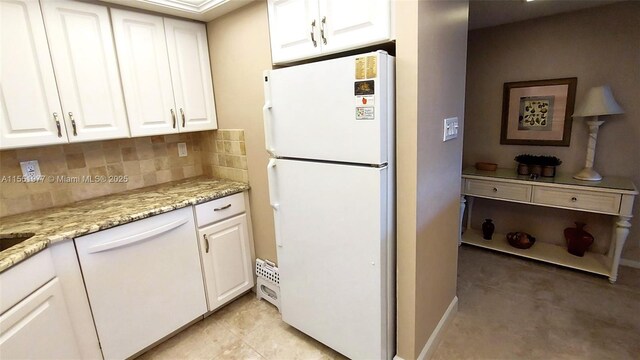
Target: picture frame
pixel 538 112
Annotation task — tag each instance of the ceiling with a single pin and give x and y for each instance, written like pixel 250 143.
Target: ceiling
pixel 482 13
pixel 203 10
pixel 486 13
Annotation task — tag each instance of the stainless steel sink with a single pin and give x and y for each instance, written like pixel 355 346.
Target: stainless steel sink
pixel 9 240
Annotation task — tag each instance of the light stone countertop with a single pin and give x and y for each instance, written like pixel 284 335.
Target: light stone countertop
pixel 58 224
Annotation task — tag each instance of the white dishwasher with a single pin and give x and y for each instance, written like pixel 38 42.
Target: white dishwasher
pixel 144 280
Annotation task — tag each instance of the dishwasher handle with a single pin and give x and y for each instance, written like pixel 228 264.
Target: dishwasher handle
pixel 143 236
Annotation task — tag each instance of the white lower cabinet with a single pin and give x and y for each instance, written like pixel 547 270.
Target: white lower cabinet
pixel 226 260
pixel 36 323
pixel 143 279
pixel 226 248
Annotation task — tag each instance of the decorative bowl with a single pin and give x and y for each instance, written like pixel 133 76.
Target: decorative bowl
pixel 520 240
pixel 486 166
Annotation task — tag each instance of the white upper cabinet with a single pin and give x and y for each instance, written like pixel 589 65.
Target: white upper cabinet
pixel 302 29
pixel 294 29
pixel 30 113
pixel 86 69
pixel 191 75
pixel 348 24
pixel 144 65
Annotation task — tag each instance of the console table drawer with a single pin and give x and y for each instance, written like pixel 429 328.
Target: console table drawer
pixel 498 190
pixel 575 199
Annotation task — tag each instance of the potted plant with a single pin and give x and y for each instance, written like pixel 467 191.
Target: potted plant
pixel 524 160
pixel 549 164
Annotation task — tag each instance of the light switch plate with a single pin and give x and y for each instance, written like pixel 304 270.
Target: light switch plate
pixel 450 129
pixel 182 149
pixel 30 170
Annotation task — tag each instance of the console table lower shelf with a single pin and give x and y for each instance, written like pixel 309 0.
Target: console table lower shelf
pixel 554 254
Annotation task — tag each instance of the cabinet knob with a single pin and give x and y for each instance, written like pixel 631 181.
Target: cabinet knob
pixel 495 189
pixel 574 199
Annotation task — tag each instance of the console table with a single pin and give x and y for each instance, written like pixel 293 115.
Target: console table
pixel 611 196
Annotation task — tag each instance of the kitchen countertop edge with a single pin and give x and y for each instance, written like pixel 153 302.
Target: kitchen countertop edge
pixel 43 239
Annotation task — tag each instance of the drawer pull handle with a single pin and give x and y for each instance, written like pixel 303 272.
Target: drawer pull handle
pixel 574 199
pixel 495 189
pixel 222 208
pixel 206 244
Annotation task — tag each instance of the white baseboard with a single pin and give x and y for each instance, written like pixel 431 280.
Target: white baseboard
pixel 630 263
pixel 432 344
pixel 397 358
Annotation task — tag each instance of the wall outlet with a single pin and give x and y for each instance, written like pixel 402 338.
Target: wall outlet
pixel 450 129
pixel 30 170
pixel 182 149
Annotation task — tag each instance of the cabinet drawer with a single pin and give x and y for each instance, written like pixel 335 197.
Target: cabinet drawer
pixel 219 209
pixel 576 199
pixel 498 190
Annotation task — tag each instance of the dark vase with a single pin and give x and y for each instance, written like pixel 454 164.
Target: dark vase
pixel 548 171
pixel 487 229
pixel 578 240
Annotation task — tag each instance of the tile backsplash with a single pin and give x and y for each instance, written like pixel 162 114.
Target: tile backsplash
pixel 225 155
pixel 115 166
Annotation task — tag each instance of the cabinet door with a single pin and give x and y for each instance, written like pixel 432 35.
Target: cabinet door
pixel 30 103
pixel 143 279
pixel 294 29
pixel 354 23
pixel 86 69
pixel 226 259
pixel 38 327
pixel 191 75
pixel 144 65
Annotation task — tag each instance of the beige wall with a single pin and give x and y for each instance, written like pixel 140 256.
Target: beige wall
pixel 431 59
pixel 406 174
pixel 240 52
pixel 598 46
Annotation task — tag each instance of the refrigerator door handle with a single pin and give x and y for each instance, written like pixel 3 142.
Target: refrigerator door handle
pixel 271 174
pixel 268 137
pixel 266 113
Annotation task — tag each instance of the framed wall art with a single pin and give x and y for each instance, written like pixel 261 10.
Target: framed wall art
pixel 538 112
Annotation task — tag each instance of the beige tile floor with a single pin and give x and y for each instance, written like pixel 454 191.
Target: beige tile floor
pixel 245 329
pixel 513 308
pixel 509 308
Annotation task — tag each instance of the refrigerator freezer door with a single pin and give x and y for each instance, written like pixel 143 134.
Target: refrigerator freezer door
pixel 335 110
pixel 333 231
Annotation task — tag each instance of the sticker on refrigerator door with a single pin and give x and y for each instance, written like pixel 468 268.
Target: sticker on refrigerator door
pixel 365 100
pixel 361 68
pixel 372 67
pixel 364 87
pixel 365 113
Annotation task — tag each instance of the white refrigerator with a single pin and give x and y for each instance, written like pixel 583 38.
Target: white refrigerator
pixel 329 128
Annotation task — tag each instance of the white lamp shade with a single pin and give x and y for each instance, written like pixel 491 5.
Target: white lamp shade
pixel 599 101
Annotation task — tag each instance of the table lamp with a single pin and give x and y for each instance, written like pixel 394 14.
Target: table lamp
pixel 598 102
